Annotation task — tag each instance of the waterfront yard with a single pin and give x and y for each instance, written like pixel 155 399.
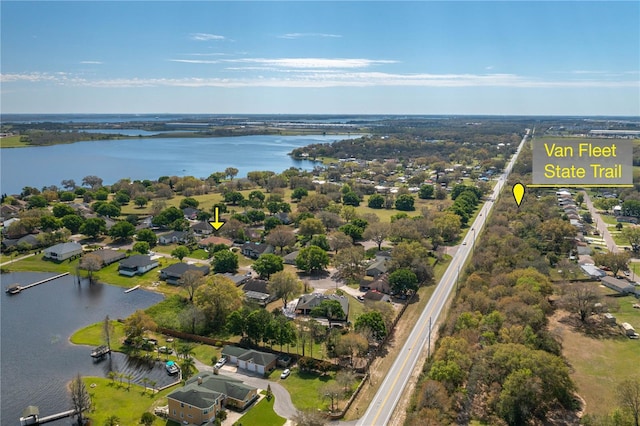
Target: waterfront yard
pixel 262 414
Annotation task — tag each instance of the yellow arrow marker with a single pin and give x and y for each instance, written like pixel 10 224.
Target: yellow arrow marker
pixel 518 193
pixel 216 223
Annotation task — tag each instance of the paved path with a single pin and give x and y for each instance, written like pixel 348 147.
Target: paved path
pixel 283 405
pixel 16 259
pixel 600 224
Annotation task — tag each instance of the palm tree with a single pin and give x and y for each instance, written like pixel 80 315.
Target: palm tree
pixel 129 377
pixel 153 384
pixel 112 375
pixel 185 350
pixel 188 367
pixel 145 381
pixel 113 420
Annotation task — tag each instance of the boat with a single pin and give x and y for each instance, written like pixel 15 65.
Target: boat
pixel 172 367
pixel 14 289
pixel 100 351
pixel 129 290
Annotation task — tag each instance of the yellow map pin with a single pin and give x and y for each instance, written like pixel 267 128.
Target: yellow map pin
pixel 518 193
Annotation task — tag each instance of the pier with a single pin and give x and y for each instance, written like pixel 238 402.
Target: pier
pixel 129 290
pixel 14 289
pixel 31 416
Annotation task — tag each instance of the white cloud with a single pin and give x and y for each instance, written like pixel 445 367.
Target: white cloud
pixel 314 62
pixel 195 61
pixel 292 36
pixel 206 37
pixel 92 62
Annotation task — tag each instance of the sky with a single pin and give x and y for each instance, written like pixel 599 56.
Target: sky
pixel 349 57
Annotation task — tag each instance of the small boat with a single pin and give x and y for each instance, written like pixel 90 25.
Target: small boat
pixel 14 289
pixel 172 367
pixel 129 290
pixel 100 351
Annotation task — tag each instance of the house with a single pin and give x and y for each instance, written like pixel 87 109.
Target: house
pixel 593 271
pixel 8 211
pixel 202 228
pixel 136 265
pixel 377 267
pixel 290 259
pixel 376 296
pixel 173 237
pixel 238 279
pixel 109 256
pixel 620 286
pixel 254 250
pixel 627 219
pixel 628 329
pixel 28 240
pixel 307 302
pixel 381 285
pixel 190 213
pixel 257 291
pixel 63 251
pixel 172 274
pixel 200 399
pixel 249 359
pixel 205 242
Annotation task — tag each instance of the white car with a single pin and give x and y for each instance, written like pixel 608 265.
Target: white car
pixel 285 374
pixel 221 362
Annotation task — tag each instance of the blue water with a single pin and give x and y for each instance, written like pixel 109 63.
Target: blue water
pixel 37 360
pixel 150 158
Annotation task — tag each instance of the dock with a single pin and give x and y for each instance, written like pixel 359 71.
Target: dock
pixel 14 289
pixel 129 290
pixel 57 416
pixel 31 416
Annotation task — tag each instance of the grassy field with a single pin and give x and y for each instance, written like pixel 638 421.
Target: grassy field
pixel 600 363
pixel 304 388
pixel 262 414
pixel 127 404
pixel 12 142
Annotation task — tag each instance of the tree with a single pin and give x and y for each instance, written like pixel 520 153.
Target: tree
pixel 112 420
pixel 402 280
pixel 376 201
pixel 615 261
pixel 167 216
pixel 350 263
pixel 37 202
pixel 217 298
pixel 231 172
pixel 284 285
pixel 189 202
pixel 80 398
pixel 93 227
pixel 312 259
pixel 299 193
pixel 93 181
pixel 580 298
pixel 281 236
pixel 180 252
pixel 309 418
pixel 190 281
pixel 187 368
pixel 68 184
pixel 377 232
pixel 107 209
pixel 225 261
pixel 147 418
pixel 520 398
pixel 141 201
pixel 91 262
pixel 107 331
pixel 50 223
pixel 257 325
pixel 632 234
pixel 331 391
pixel 346 379
pixel 122 230
pixel 405 202
pixel 352 345
pixel 351 199
pixel 267 264
pixel 353 231
pixel 237 322
pixel 60 210
pixel 339 240
pixel 233 197
pixel 629 396
pixel 310 227
pixel 330 309
pixel 147 235
pixel 426 192
pixel 414 256
pixel 373 322
pixel 136 325
pixel 631 207
pixel 72 222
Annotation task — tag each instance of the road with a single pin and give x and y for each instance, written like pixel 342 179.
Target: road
pixel 600 224
pixel 391 389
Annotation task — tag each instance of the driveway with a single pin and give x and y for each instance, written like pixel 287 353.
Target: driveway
pixel 600 224
pixel 283 405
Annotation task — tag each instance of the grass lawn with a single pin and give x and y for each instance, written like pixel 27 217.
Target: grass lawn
pixel 304 387
pixel 127 404
pixel 38 264
pixel 91 335
pixel 12 142
pixel 262 414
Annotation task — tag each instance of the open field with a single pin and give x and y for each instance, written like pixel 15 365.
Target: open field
pixel 12 142
pixel 599 363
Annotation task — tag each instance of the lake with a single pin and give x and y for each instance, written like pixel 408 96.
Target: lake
pixel 137 158
pixel 37 360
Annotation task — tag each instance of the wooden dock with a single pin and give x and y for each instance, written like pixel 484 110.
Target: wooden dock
pixel 129 290
pixel 57 416
pixel 31 416
pixel 46 280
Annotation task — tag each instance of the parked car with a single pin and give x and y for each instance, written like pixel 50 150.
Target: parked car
pixel 221 362
pixel 165 350
pixel 285 373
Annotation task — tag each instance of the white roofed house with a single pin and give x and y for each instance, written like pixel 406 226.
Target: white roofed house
pixel 62 251
pixel 136 265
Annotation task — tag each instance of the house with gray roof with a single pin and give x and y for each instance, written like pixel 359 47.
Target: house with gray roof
pixel 249 359
pixel 203 396
pixel 109 256
pixel 377 267
pixel 28 240
pixel 62 251
pixel 174 237
pixel 307 302
pixel 254 250
pixel 257 290
pixel 621 286
pixel 172 273
pixel 137 265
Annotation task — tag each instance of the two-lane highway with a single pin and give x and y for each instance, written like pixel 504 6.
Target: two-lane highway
pixel 391 389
